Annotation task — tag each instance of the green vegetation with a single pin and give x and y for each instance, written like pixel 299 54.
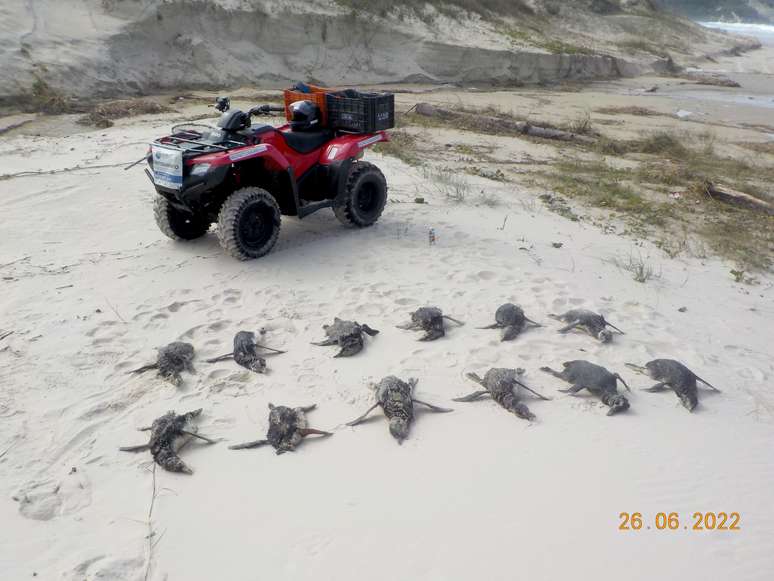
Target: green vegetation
pixel 767 147
pixel 401 145
pixel 581 125
pixel 559 205
pixel 640 270
pixel 603 186
pixel 555 46
pixel 662 143
pixel 657 184
pixel 671 189
pixel 45 99
pixel 631 110
pixel 481 7
pixel 635 46
pixel 454 187
pixel 103 115
pixel 534 37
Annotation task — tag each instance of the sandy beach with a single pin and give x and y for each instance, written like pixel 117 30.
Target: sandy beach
pixel 91 288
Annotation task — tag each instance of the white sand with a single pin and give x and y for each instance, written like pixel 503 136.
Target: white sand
pixel 475 494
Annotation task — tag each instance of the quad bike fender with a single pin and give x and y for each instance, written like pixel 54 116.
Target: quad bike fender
pixel 338 176
pixel 350 146
pixel 213 168
pixel 274 159
pixel 265 150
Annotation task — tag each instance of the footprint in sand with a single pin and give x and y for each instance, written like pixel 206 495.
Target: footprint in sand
pixel 218 326
pixel 405 302
pixel 486 275
pixel 140 316
pixel 752 374
pixel 103 329
pixel 158 317
pixel 192 332
pixel 48 499
pixel 232 296
pixel 217 374
pixel 309 380
pixel 177 305
pixel 101 567
pixel 369 310
pixel 485 356
pixel 228 386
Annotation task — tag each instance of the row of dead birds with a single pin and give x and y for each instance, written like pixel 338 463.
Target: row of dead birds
pixel 177 357
pixel 289 426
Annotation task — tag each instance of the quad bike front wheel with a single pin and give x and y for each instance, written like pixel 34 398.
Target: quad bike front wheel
pixel 176 224
pixel 249 223
pixel 364 197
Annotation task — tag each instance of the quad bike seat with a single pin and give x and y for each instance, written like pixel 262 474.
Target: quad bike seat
pixel 259 129
pixel 305 142
pixel 251 133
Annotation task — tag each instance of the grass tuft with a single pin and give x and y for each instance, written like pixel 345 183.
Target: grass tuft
pixel 103 115
pixel 402 145
pixel 640 270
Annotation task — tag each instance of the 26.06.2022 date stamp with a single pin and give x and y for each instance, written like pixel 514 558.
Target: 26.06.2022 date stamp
pixel 670 521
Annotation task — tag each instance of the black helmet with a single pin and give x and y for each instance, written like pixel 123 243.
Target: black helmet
pixel 304 116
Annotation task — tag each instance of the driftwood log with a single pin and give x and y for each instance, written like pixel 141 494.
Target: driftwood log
pixel 496 125
pixel 713 80
pixel 736 198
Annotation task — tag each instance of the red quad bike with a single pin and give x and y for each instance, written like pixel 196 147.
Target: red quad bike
pixel 244 177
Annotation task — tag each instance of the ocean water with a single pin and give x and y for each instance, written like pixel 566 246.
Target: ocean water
pixel 763 32
pixel 756 88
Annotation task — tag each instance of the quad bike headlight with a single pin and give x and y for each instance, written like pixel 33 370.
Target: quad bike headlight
pixel 200 169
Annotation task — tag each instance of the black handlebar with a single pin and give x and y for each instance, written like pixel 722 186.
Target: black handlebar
pixel 223 104
pixel 265 110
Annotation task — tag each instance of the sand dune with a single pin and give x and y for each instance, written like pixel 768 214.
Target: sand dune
pixel 85 48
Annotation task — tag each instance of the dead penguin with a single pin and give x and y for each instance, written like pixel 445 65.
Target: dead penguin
pixel 245 352
pixel 501 384
pixel 172 360
pixel 673 375
pixel 429 320
pixel 346 334
pixel 287 428
pixel 592 323
pixel 168 434
pixel 397 402
pixel 512 320
pixel 598 380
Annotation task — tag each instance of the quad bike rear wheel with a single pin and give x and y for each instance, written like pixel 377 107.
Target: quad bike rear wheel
pixel 364 197
pixel 176 224
pixel 249 223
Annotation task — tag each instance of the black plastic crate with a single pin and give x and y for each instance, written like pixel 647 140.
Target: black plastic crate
pixel 360 112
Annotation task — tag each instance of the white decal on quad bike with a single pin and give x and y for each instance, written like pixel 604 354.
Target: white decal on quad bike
pixel 332 153
pixel 249 152
pixel 167 167
pixel 369 141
